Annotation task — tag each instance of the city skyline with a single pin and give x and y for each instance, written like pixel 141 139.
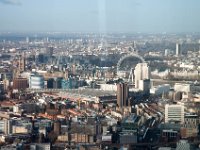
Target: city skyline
pixel 100 16
pixel 79 91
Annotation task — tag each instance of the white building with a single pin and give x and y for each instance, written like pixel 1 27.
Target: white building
pixel 168 52
pixel 144 85
pixel 160 89
pixel 180 87
pixel 178 49
pixel 108 87
pixel 36 81
pixel 174 112
pixel 40 146
pixel 5 126
pixel 141 72
pixel 187 66
pixel 182 145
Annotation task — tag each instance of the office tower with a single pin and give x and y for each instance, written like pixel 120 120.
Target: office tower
pixel 15 73
pixel 22 63
pixel 57 127
pixel 50 51
pixel 168 52
pixel 47 40
pixel 178 49
pixel 190 126
pixel 144 85
pixel 73 69
pixel 6 126
pixel 183 145
pixel 57 84
pixel 141 72
pixel 50 83
pixel 41 58
pixel 174 113
pixel 122 94
pixel 36 81
pixel 27 40
pixel 134 46
pixel 20 83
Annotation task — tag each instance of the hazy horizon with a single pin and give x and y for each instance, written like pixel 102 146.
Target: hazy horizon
pixel 100 16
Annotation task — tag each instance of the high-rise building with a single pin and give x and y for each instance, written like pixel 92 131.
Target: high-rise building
pixel 174 113
pixel 190 126
pixel 6 126
pixel 47 39
pixel 41 58
pixel 168 52
pixel 122 94
pixel 22 63
pixel 50 83
pixel 134 46
pixel 27 39
pixel 178 49
pixel 57 127
pixel 36 81
pixel 20 83
pixel 57 83
pixel 144 85
pixel 183 145
pixel 15 73
pixel 50 51
pixel 141 72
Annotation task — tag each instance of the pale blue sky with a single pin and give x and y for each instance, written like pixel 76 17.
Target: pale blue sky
pixel 100 15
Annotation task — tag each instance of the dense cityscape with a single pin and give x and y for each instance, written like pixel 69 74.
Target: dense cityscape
pixel 99 75
pixel 99 91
